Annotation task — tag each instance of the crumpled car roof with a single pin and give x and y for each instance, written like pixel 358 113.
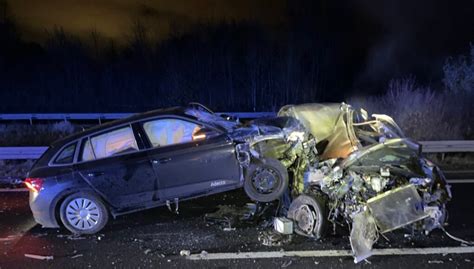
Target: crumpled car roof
pixel 327 124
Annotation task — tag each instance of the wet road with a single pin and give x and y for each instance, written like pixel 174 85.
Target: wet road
pixel 154 239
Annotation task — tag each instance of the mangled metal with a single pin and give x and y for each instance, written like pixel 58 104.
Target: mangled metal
pixel 362 171
pixel 344 167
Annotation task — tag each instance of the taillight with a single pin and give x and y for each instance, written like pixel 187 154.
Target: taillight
pixel 34 184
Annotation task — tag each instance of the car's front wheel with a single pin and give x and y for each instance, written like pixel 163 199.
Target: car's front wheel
pixel 266 180
pixel 83 213
pixel 309 214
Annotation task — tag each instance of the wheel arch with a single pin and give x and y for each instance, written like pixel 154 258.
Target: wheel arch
pixel 56 205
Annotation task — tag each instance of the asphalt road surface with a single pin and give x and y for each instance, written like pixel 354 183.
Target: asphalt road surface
pixel 155 238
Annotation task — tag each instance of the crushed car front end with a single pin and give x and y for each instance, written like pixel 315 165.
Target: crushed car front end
pixel 366 174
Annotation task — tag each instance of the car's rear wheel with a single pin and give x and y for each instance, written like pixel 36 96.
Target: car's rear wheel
pixel 266 180
pixel 83 213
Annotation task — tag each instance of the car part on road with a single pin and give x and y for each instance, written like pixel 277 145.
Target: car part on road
pixel 83 213
pixel 283 225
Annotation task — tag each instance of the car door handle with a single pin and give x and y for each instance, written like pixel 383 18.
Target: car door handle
pixel 95 174
pixel 161 161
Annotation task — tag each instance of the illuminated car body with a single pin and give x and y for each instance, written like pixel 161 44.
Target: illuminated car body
pixel 144 161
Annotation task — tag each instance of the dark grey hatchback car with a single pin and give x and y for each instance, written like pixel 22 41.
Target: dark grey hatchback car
pixel 144 161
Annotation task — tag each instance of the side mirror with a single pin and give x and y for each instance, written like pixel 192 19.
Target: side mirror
pixel 204 133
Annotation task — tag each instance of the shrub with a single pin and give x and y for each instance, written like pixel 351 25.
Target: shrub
pixel 459 74
pixel 422 113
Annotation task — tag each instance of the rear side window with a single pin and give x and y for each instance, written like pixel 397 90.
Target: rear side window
pixel 165 132
pixel 115 142
pixel 67 155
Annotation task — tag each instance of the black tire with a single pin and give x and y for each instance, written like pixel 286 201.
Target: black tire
pixel 91 214
pixel 259 174
pixel 313 225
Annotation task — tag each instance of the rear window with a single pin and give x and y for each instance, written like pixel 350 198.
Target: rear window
pixel 111 143
pixel 67 155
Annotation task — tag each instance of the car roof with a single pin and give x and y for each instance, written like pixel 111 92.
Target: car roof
pixel 178 111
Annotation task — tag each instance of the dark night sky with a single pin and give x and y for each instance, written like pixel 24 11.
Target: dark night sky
pixel 113 17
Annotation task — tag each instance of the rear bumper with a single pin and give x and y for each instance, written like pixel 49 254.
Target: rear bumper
pixel 42 206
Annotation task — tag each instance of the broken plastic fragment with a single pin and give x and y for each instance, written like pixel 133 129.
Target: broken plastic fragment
pixel 283 225
pixel 39 257
pixel 363 235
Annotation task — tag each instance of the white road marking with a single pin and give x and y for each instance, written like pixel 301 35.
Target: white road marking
pixel 330 253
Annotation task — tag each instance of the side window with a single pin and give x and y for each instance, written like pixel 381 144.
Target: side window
pixel 165 132
pixel 108 144
pixel 67 155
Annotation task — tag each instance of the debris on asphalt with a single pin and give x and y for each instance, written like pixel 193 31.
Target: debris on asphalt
pixel 286 264
pixel 147 251
pixel 77 256
pixel 8 238
pixel 39 257
pixel 228 229
pixel 70 236
pixel 184 252
pixel 272 238
pixel 435 262
pixel 229 216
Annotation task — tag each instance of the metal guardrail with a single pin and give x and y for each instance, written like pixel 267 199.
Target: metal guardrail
pixel 108 116
pixel 24 153
pixel 21 153
pixel 448 146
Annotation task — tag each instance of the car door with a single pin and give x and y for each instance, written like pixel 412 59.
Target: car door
pixel 113 165
pixel 186 166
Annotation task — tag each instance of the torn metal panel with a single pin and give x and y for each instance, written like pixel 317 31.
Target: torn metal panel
pixel 363 235
pixel 397 208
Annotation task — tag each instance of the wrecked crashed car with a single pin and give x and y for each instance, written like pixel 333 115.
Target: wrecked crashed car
pixel 362 171
pixel 154 159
